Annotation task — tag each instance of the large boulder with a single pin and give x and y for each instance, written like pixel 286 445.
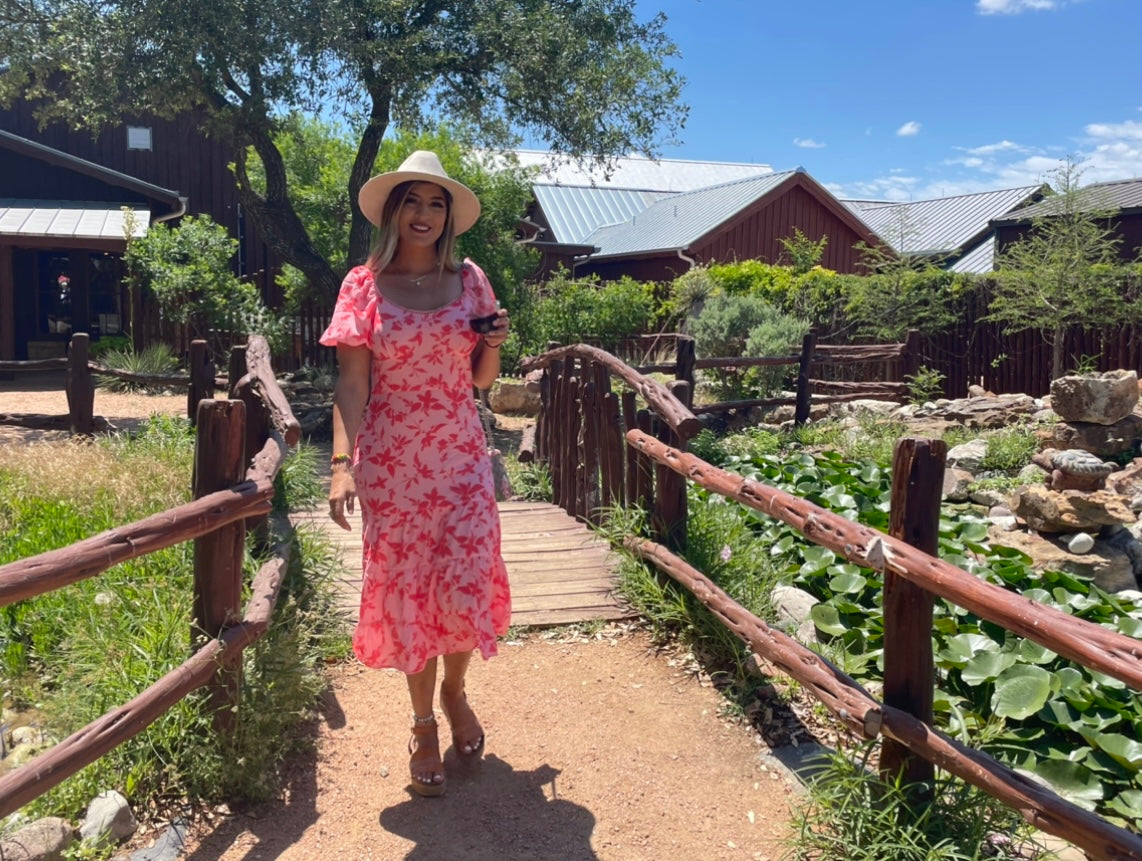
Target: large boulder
pixel 1107 563
pixel 1098 398
pixel 513 397
pixel 1128 482
pixel 43 840
pixel 1046 510
pixel 1102 440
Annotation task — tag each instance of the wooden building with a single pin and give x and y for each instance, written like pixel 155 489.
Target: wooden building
pixel 655 235
pixel 1123 198
pixel 63 223
pixel 170 154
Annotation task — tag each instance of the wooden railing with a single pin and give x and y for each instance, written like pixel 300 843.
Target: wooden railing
pixel 578 424
pixel 671 353
pixel 240 447
pixel 199 382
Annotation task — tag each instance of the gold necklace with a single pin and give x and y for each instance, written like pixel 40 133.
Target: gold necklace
pixel 416 281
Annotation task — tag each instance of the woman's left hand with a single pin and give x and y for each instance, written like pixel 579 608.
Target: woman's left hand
pixel 499 333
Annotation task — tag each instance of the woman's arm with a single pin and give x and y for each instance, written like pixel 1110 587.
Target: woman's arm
pixel 350 397
pixel 486 356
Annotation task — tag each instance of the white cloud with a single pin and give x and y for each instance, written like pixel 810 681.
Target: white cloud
pixel 1013 7
pixel 1129 130
pixel 909 129
pixel 990 149
pixel 808 143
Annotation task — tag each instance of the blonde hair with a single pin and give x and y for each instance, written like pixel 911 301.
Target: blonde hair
pixel 388 233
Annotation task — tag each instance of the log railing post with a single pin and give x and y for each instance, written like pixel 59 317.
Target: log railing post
pixel 201 379
pixel 909 673
pixel 219 464
pixel 80 387
pixel 257 422
pixel 685 355
pixel 804 396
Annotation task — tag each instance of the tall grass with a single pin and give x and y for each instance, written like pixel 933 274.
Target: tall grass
pixel 81 651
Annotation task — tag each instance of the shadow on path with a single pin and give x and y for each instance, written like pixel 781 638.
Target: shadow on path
pixel 536 826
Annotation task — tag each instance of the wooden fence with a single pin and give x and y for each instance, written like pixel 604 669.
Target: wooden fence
pixel 580 435
pixel 818 368
pixel 240 447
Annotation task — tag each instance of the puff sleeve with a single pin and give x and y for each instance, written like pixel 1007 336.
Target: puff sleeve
pixel 352 321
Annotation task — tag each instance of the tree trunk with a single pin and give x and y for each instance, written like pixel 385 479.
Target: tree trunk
pixel 1058 339
pixel 360 230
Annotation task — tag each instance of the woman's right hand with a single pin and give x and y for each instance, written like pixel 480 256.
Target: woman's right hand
pixel 342 495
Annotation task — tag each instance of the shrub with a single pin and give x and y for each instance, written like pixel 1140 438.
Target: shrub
pixel 739 326
pixel 570 312
pixel 153 360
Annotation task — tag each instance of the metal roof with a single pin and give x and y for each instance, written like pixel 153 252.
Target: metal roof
pixel 679 220
pixel 575 212
pixel 978 260
pixel 1121 194
pixel 941 225
pixel 638 172
pixel 68 219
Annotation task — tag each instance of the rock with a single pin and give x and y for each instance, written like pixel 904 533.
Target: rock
pixel 1046 510
pixel 108 820
pixel 43 840
pixel 1080 542
pixel 988 497
pixel 794 607
pixel 1129 542
pixel 986 412
pixel 513 397
pixel 1109 567
pixel 956 484
pixel 1127 481
pixel 865 406
pixel 1102 399
pixel 967 456
pixel 1102 440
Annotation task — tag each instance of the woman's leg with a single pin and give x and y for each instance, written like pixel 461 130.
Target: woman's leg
pixel 467 734
pixel 425 765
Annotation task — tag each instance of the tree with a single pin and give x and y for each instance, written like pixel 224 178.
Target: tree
pixel 582 76
pixel 1065 271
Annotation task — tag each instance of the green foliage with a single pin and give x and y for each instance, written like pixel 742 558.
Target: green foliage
pixel 801 252
pixel 883 306
pixel 187 270
pixel 1009 449
pixel 82 650
pixel 854 815
pixel 1065 271
pixel 745 325
pixel 927 384
pixel 572 311
pixel 531 481
pixel 156 359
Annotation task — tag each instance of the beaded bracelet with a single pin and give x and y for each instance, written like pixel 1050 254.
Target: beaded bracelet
pixel 340 458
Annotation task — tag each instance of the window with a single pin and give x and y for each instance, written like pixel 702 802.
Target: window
pixel 138 137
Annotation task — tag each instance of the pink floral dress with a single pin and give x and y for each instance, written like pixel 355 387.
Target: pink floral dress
pixel 434 580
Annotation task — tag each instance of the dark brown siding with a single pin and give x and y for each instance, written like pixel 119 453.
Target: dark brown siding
pixel 756 233
pixel 1129 230
pixel 181 159
pixel 660 268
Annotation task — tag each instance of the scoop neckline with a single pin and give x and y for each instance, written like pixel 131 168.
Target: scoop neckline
pixel 463 287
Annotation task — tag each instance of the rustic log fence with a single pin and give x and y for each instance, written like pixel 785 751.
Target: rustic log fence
pixel 892 364
pixel 580 434
pixel 81 372
pixel 232 491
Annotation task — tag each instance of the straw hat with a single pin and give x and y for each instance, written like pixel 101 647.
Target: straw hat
pixel 421 166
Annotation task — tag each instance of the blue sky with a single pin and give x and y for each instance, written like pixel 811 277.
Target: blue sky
pixel 912 99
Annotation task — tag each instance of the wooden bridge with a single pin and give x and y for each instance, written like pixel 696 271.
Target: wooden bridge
pixel 560 571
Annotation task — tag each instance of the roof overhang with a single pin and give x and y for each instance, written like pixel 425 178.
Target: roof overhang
pixel 68 224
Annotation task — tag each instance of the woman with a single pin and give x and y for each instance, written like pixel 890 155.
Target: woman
pixel 408 443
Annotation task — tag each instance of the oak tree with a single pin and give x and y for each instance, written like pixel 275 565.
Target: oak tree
pixel 577 76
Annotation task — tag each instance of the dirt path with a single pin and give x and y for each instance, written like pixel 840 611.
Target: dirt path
pixel 599 747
